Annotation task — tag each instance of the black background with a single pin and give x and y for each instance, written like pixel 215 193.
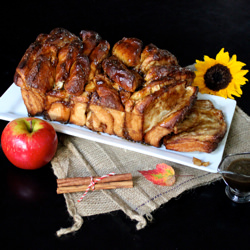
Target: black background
pixel 204 218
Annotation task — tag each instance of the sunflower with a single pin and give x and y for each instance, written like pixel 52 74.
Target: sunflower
pixel 221 76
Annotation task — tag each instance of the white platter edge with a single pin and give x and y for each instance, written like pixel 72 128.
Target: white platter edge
pixel 12 107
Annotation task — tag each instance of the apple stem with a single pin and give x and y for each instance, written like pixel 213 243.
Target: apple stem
pixel 31 126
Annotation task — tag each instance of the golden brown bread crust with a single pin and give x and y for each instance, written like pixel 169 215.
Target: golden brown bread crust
pixel 90 39
pixel 105 95
pixel 78 76
pixel 79 105
pixel 162 117
pixel 34 101
pixel 59 111
pixel 137 93
pixel 117 71
pixel 57 106
pixel 35 73
pixel 153 56
pixel 27 61
pixel 41 74
pixel 128 50
pixel 155 114
pixel 66 57
pixel 202 130
pixel 105 120
pixel 98 54
pixel 169 71
pixel 152 87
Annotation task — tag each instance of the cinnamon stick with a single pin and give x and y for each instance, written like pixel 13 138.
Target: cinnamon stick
pixel 98 186
pixel 86 180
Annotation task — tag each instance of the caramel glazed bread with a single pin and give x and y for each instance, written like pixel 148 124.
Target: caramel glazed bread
pixel 135 92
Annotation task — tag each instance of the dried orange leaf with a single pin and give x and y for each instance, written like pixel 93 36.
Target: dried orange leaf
pixel 163 175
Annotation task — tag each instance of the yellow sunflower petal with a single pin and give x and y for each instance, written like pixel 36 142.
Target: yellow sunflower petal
pixel 240 74
pixel 230 96
pixel 199 79
pixel 233 62
pixel 223 57
pixel 235 67
pixel 222 93
pixel 209 61
pixel 234 88
pixel 197 62
pixel 199 67
pixel 233 92
pixel 207 58
pixel 239 91
pixel 240 80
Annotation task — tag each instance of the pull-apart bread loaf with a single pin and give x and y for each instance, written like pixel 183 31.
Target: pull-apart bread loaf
pixel 135 92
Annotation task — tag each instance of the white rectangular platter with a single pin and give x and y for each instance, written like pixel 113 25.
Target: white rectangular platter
pixel 12 107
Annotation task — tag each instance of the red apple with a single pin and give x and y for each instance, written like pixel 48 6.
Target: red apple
pixel 29 142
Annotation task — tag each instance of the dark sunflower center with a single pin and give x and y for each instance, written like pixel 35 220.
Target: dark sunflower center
pixel 217 77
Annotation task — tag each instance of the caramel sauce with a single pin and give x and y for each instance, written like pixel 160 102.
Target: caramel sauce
pixel 241 166
pixel 238 182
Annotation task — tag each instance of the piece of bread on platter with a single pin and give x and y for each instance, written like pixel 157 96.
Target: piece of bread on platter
pixel 133 91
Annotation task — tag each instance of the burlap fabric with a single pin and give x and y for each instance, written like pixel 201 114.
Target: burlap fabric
pixel 79 157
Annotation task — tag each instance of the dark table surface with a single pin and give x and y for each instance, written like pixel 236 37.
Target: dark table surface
pixel 204 218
